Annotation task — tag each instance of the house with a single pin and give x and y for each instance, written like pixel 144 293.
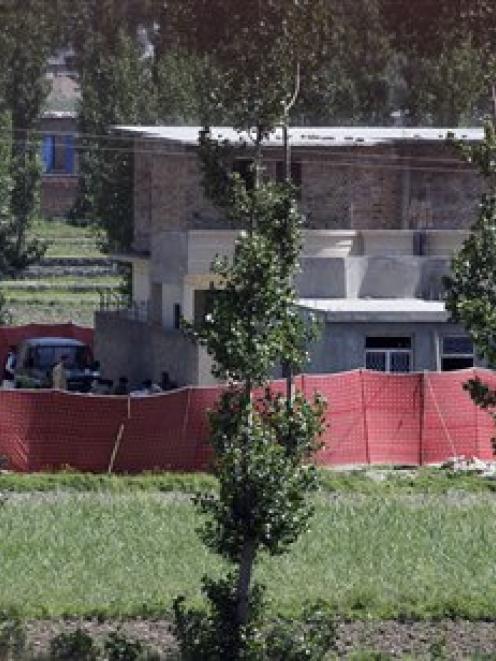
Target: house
pixel 58 129
pixel 386 209
pixel 59 180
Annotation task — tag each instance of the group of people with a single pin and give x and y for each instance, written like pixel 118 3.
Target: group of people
pixel 101 386
pixel 97 384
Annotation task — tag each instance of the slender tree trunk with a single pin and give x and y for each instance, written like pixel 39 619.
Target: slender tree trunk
pixel 248 551
pixel 246 563
pixel 20 194
pixel 288 179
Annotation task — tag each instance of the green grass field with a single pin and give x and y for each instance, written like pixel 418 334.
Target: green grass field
pixel 82 545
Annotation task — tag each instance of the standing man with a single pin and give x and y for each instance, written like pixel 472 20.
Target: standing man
pixel 59 376
pixel 8 370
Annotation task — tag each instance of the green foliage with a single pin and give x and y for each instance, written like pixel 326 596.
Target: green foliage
pixel 6 233
pixel 450 89
pixel 356 80
pixel 13 641
pixel 255 50
pixel 117 647
pixel 28 35
pixel 16 211
pixel 440 51
pixel 215 634
pixel 179 75
pixel 253 325
pixel 263 485
pixel 310 637
pixel 74 646
pixel 117 484
pixel 116 88
pixel 471 288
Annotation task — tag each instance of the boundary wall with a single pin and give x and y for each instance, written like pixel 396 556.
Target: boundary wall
pixel 372 418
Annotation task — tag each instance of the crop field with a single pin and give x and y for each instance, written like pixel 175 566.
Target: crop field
pixel 88 546
pixel 67 284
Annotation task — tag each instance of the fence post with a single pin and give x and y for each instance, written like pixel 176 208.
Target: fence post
pixel 364 415
pixel 422 418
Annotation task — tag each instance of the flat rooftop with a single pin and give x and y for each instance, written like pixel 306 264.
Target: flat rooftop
pixel 373 310
pixel 307 136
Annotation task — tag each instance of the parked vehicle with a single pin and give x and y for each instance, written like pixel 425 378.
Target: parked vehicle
pixel 36 358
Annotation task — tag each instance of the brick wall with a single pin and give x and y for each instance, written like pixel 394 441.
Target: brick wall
pixel 410 185
pixel 59 190
pixel 58 194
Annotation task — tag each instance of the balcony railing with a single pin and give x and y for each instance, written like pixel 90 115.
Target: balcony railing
pixel 120 305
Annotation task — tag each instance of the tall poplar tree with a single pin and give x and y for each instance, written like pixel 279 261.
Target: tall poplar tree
pixel 261 441
pixel 444 50
pixel 471 287
pixel 116 88
pixel 29 34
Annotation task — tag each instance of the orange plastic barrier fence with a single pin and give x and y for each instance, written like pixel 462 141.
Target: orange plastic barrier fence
pixel 372 418
pixel 13 335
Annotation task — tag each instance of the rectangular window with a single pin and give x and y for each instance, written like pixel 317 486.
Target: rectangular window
pixel 388 354
pixel 48 153
pixel 457 353
pixel 177 316
pixel 244 167
pixel 58 154
pixel 203 303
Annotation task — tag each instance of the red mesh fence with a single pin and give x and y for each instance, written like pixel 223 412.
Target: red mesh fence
pixel 371 418
pixel 392 417
pixel 344 439
pixel 13 335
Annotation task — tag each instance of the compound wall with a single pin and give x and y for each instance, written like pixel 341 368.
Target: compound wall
pixel 372 418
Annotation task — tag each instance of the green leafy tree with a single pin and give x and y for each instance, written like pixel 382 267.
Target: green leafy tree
pixel 5 215
pixel 180 77
pixel 29 35
pixel 440 45
pixel 262 443
pixel 355 82
pixel 450 88
pixel 471 287
pixel 116 88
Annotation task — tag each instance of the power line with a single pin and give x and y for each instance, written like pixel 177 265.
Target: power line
pixel 349 160
pixel 356 143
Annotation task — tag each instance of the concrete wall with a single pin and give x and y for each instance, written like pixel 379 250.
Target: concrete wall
pixel 334 264
pixel 139 350
pixel 341 347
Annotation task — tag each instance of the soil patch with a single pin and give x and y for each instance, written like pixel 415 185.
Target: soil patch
pixel 454 639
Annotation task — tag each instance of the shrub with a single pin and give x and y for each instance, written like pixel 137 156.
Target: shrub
pixel 118 647
pixel 13 642
pixel 74 646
